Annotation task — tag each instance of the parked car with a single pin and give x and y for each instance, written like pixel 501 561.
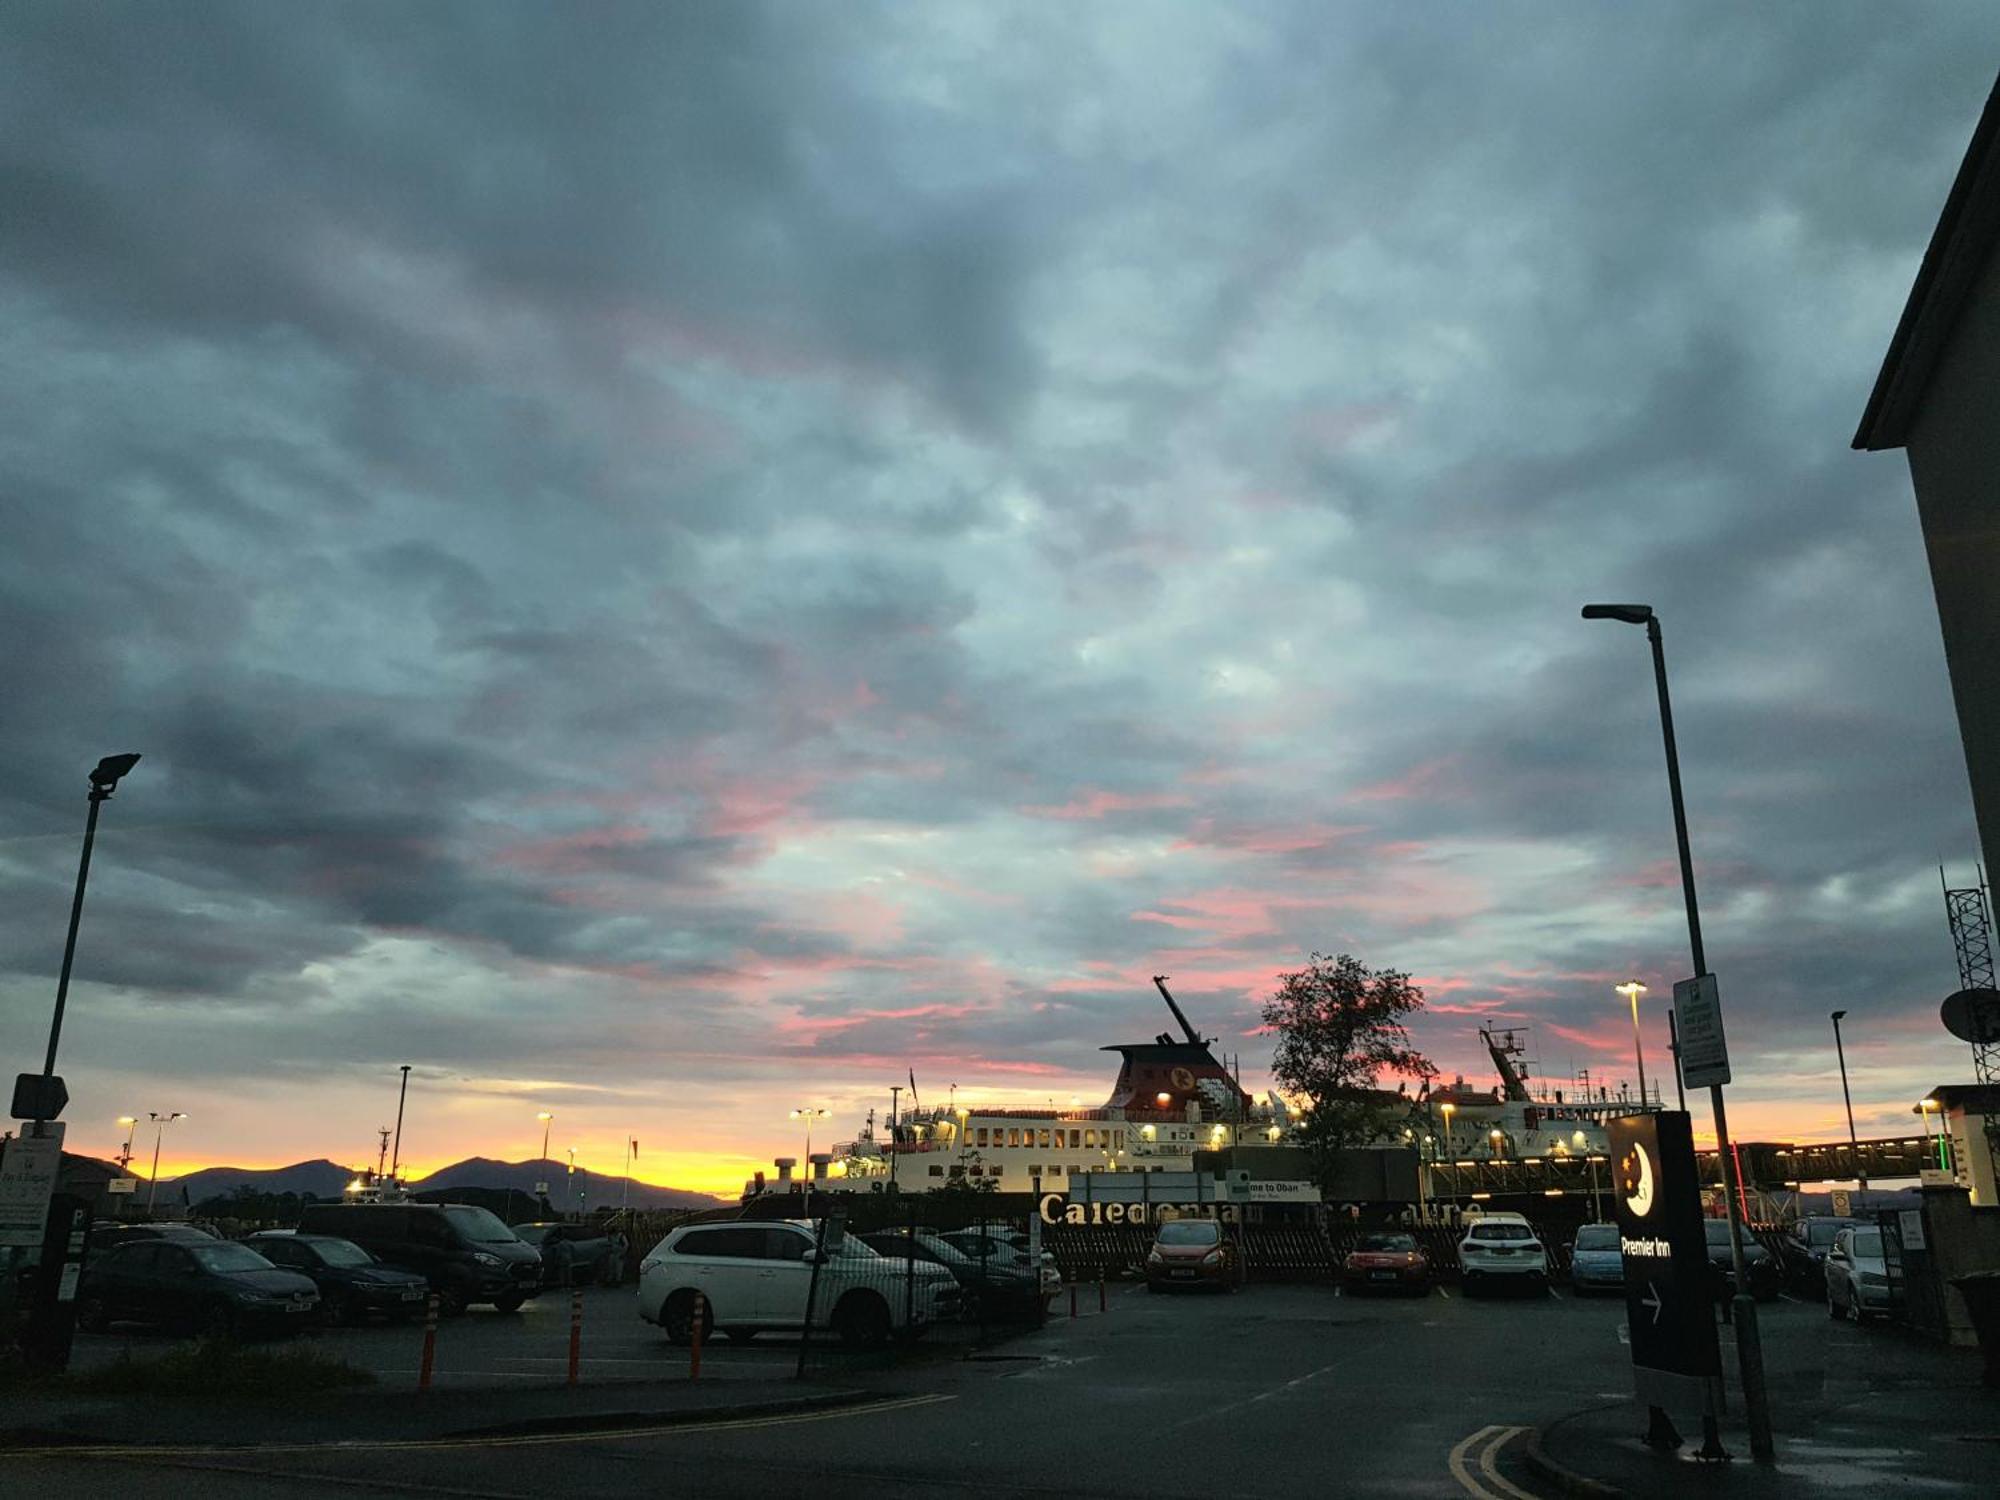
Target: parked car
pixel 352 1283
pixel 1193 1252
pixel 1759 1265
pixel 754 1276
pixel 465 1253
pixel 106 1233
pixel 572 1254
pixel 1386 1262
pixel 1502 1249
pixel 1857 1276
pixel 1596 1264
pixel 991 1289
pixel 1802 1252
pixel 1004 1245
pixel 203 1284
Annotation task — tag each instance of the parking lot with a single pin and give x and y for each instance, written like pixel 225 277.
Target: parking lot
pixel 488 1348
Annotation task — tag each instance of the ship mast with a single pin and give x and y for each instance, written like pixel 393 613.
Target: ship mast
pixel 1160 980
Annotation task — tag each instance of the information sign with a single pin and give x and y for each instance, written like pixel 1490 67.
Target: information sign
pixel 1698 1024
pixel 29 1166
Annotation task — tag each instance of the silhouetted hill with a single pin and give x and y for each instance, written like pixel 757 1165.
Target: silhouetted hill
pixel 326 1179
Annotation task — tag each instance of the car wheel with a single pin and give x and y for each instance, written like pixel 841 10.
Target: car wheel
pixel 452 1300
pixel 92 1316
pixel 509 1302
pixel 862 1321
pixel 677 1318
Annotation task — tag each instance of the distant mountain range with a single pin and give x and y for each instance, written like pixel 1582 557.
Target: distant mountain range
pixel 326 1179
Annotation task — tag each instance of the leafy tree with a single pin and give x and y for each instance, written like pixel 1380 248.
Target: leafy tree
pixel 1339 1025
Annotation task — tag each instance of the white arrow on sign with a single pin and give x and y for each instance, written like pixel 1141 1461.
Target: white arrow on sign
pixel 1653 1302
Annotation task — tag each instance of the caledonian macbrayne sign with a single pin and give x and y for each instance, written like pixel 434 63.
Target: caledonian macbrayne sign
pixel 1676 1361
pixel 1057 1209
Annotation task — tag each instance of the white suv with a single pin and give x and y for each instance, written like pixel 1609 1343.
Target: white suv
pixel 755 1275
pixel 1502 1249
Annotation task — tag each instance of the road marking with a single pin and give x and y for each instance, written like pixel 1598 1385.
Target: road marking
pixel 433 1445
pixel 1490 1440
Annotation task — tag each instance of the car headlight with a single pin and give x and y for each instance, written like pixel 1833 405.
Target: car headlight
pixel 482 1258
pixel 1154 1258
pixel 1213 1258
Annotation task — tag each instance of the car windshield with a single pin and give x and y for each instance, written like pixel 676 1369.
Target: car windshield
pixel 479 1226
pixel 1501 1232
pixel 1386 1244
pixel 1866 1244
pixel 1597 1237
pixel 1822 1235
pixel 854 1249
pixel 1190 1232
pixel 227 1257
pixel 342 1253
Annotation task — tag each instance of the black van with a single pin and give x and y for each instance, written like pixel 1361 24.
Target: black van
pixel 465 1253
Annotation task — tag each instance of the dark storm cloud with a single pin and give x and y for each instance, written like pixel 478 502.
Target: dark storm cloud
pixel 874 531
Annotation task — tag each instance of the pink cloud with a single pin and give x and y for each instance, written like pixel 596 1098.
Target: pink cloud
pixel 1428 780
pixel 1095 803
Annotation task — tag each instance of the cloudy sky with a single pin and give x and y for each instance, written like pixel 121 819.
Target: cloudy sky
pixel 673 562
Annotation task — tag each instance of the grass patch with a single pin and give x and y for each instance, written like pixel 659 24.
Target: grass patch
pixel 216 1367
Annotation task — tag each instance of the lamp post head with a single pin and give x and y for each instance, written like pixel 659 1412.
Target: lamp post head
pixel 128 1119
pixel 1631 989
pixel 1838 1016
pixel 545 1116
pixel 1631 614
pixel 109 772
pixel 1927 1105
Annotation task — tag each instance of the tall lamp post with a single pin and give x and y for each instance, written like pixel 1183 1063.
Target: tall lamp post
pixel 1632 990
pixel 1860 1173
pixel 43 1099
pixel 809 1113
pixel 160 1124
pixel 1749 1348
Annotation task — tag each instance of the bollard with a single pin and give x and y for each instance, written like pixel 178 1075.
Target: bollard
pixel 1102 1304
pixel 430 1343
pixel 575 1331
pixel 1072 1299
pixel 694 1348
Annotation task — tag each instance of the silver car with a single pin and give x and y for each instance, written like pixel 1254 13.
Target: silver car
pixel 1857 1277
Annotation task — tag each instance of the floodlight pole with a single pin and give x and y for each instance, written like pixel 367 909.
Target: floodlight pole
pixel 103 782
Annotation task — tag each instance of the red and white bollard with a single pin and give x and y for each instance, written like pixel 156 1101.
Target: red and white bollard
pixel 700 1317
pixel 430 1343
pixel 575 1332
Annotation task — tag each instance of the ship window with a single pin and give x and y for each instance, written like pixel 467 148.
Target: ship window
pixel 1035 1170
pixel 1090 1138
pixel 1042 1139
pixel 1075 1139
pixel 1013 1136
pixel 982 1135
pixel 937 1171
pixel 969 1172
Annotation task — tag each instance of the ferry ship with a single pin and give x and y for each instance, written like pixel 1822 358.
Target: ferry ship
pixel 1173 1098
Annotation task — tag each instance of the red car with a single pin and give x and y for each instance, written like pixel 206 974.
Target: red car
pixel 1387 1262
pixel 1192 1252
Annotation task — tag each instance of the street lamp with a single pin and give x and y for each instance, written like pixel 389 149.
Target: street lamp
pixel 131 1123
pixel 1860 1173
pixel 1749 1349
pixel 1499 1139
pixel 547 1119
pixel 1924 1108
pixel 809 1113
pixel 43 1101
pixel 160 1124
pixel 1632 990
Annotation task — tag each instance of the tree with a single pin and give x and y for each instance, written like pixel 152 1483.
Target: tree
pixel 1339 1025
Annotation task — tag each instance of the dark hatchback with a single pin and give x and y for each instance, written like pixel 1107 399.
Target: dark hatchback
pixel 353 1285
pixel 208 1286
pixel 1759 1265
pixel 1803 1251
pixel 465 1253
pixel 990 1289
pixel 572 1254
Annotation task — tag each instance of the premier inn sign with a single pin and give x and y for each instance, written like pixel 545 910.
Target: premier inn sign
pixel 1656 1199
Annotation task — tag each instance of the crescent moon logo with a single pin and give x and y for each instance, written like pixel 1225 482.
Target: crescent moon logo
pixel 1182 1079
pixel 1639 1183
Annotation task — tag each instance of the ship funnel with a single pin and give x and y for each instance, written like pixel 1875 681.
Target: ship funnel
pixel 784 1164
